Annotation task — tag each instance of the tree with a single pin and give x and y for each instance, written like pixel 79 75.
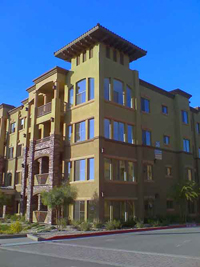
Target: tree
pixel 4 199
pixel 182 193
pixel 58 198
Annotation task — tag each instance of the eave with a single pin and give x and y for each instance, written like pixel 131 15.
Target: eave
pixel 99 34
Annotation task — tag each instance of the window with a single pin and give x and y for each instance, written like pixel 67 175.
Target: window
pixel 118 133
pixel 115 55
pixel 170 205
pixel 10 152
pixel 107 89
pixel 121 59
pixel 146 138
pixel 13 126
pixel 107 52
pixel 149 172
pixel 21 123
pixel 145 105
pixel 91 169
pixel 80 131
pixel 81 92
pixel 168 171
pixel 164 109
pixel 19 150
pixel 77 60
pixel 129 97
pixel 131 172
pixel 91 128
pixel 189 174
pixel 84 56
pixel 122 170
pixel 198 128
pixel 118 92
pixel 71 97
pixel 18 178
pixel 69 171
pixel 130 134
pixel 107 169
pixel 91 88
pixel 107 128
pixel 91 53
pixel 79 210
pixel 186 145
pixel 8 180
pixel 80 170
pixel 166 140
pixel 69 133
pixel 184 116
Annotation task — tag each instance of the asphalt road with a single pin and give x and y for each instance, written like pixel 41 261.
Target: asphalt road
pixel 162 248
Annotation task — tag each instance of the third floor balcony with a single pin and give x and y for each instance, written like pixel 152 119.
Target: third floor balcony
pixel 43 110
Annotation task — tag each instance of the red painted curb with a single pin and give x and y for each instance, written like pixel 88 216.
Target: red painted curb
pixel 118 232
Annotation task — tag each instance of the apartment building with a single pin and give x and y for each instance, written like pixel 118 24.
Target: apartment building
pixel 121 141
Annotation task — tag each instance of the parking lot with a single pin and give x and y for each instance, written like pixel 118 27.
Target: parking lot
pixel 177 247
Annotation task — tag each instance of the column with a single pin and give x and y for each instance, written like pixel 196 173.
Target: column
pixel 30 182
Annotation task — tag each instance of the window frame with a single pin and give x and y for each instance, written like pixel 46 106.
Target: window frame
pixel 109 130
pixel 81 140
pixel 82 173
pixel 143 105
pixel 185 148
pixel 81 93
pixel 163 107
pixel 89 128
pixel 183 113
pixel 120 95
pixel 166 137
pixel 145 139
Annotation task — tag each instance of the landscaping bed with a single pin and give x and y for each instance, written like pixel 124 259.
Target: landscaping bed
pixel 17 225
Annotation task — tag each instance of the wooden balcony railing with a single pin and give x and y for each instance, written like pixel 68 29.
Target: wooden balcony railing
pixel 43 110
pixel 41 179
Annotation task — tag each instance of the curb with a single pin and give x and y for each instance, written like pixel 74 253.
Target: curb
pixel 12 236
pixel 112 232
pixel 34 237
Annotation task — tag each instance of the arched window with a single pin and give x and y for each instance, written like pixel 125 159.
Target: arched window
pixel 81 92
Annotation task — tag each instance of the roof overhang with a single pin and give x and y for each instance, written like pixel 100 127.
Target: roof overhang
pixel 181 92
pixel 99 34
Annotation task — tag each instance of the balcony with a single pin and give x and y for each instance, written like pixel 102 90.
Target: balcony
pixel 41 179
pixel 43 110
pixel 42 143
pixel 40 216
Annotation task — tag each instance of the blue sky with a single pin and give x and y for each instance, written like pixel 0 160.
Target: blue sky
pixel 32 30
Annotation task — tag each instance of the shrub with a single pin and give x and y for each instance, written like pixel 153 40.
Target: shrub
pixel 62 223
pixel 129 223
pixel 14 218
pixel 112 225
pixel 85 226
pixel 7 217
pixel 16 227
pixel 139 224
pixel 35 224
pixel 97 224
pixel 76 224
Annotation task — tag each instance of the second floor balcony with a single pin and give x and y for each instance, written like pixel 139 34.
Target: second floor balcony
pixel 41 179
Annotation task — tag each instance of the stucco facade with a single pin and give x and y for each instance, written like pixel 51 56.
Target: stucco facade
pixel 121 141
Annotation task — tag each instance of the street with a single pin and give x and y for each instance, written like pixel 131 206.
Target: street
pixel 161 248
